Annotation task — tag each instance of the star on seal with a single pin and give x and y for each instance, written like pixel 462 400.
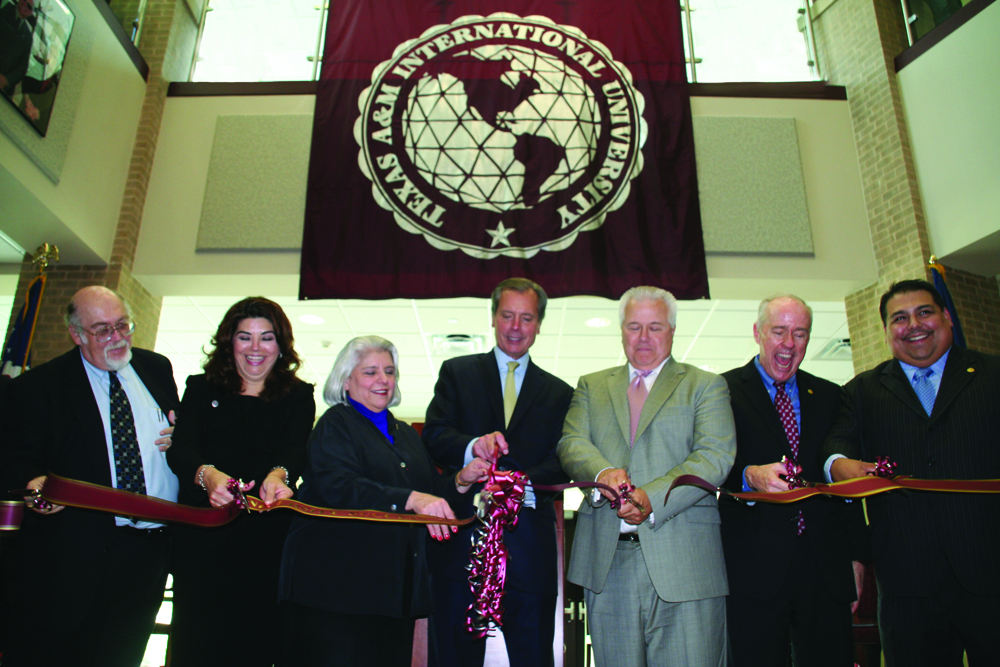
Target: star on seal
pixel 500 235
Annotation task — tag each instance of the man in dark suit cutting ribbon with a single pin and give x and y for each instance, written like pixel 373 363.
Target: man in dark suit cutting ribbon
pixel 791 580
pixel 91 582
pixel 500 406
pixel 933 410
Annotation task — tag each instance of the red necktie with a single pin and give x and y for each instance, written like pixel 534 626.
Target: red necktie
pixel 787 414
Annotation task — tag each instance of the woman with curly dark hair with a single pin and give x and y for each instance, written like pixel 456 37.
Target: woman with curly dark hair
pixel 248 417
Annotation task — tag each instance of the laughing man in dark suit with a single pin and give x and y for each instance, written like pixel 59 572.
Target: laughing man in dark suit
pixel 500 404
pixel 92 582
pixel 787 585
pixel 936 555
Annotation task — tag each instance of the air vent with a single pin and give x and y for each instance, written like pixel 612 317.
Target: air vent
pixel 453 345
pixel 836 349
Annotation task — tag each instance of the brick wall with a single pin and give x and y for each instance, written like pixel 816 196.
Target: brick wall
pixel 167 44
pixel 977 301
pixel 126 11
pixel 857 41
pixel 63 281
pixel 51 339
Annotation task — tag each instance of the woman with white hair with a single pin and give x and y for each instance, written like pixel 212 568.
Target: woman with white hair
pixel 350 590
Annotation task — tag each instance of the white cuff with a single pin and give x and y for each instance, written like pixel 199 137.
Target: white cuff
pixel 468 452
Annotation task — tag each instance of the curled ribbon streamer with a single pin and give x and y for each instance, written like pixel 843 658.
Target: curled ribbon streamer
pixel 498 511
pixel 792 474
pixel 488 557
pixel 884 467
pixel 73 493
pixel 852 488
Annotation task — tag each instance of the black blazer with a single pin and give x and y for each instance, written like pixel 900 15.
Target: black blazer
pixel 52 424
pixel 758 540
pixel 243 436
pixel 916 535
pixel 468 403
pixel 362 567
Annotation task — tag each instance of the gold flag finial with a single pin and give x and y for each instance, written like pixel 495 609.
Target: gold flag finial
pixel 45 254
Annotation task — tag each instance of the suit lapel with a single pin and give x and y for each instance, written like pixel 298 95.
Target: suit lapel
pixel 761 405
pixel 666 381
pixel 958 373
pixel 894 379
pixel 153 386
pixel 489 374
pixel 88 415
pixel 806 407
pixel 617 389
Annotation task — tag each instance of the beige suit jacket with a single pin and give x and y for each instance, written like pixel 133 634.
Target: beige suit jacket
pixel 686 427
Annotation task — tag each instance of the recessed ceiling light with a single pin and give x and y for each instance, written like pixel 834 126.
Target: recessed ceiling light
pixel 598 322
pixel 453 321
pixel 311 319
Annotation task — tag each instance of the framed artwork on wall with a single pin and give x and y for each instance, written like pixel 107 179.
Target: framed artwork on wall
pixel 34 36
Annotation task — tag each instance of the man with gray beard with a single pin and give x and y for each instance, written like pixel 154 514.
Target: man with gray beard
pixel 91 583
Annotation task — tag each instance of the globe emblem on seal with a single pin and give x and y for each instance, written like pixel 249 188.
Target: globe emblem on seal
pixel 440 127
pixel 501 135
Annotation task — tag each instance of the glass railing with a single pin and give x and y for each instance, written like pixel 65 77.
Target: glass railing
pixel 260 41
pixel 922 16
pixel 748 40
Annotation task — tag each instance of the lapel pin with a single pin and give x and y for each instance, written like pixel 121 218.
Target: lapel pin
pixel 215 404
pixel 809 391
pixel 970 370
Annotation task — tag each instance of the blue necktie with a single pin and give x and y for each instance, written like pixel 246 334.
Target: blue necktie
pixel 925 389
pixel 128 459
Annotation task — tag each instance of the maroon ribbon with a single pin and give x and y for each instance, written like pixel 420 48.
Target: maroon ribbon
pixel 11 514
pixel 84 495
pixel 500 504
pixel 852 488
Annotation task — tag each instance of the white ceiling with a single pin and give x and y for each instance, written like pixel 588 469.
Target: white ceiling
pixel 711 333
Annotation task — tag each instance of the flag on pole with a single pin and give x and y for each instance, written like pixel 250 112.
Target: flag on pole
pixel 937 273
pixel 17 354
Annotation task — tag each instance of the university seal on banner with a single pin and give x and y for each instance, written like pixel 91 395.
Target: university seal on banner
pixel 500 135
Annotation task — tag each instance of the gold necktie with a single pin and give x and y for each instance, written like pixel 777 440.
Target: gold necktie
pixel 509 392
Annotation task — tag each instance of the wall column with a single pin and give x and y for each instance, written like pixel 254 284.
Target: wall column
pixel 858 40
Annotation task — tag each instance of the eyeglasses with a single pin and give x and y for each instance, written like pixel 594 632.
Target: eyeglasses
pixel 105 333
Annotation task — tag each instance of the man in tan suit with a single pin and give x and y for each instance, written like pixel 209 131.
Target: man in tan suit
pixel 654 574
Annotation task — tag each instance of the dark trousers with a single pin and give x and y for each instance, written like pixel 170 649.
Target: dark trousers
pixel 115 628
pixel 319 638
pixel 528 627
pixel 933 631
pixel 802 616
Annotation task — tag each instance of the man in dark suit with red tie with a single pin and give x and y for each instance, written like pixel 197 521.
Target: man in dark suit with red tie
pixel 791 579
pixel 91 582
pixel 500 405
pixel 932 410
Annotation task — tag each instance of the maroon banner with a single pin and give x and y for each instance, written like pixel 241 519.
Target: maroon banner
pixel 460 142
